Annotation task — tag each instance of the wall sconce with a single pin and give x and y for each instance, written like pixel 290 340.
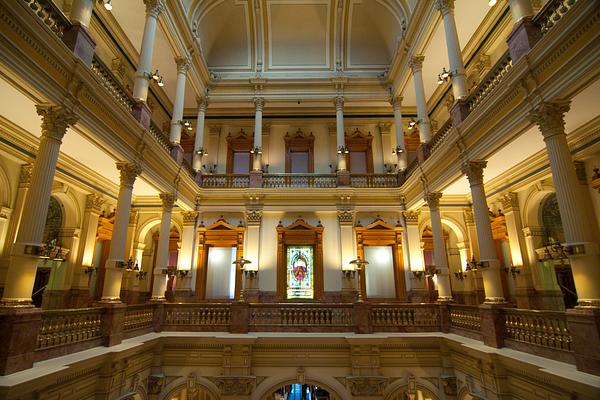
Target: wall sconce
pixel 170 271
pixel 141 275
pixel 444 76
pixel 108 5
pixel 431 271
pixel 182 273
pixel 256 150
pixel 90 269
pixel 412 124
pixel 460 275
pixel 333 169
pixel 418 274
pixel 514 271
pixel 390 168
pixel 359 265
pixel 210 169
pixel 155 77
pixel 127 265
pixel 342 150
pixel 201 152
pixel 472 265
pixel 242 262
pixel 492 3
pixel 186 124
pixel 398 150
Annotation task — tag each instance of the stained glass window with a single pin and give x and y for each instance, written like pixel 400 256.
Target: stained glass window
pixel 300 274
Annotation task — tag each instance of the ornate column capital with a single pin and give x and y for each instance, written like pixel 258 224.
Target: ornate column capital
pixel 129 171
pixel 94 202
pixel 55 120
pixel 469 217
pixel 396 102
pixel 189 217
pixel 416 63
pixel 259 103
pixel 346 216
pixel 411 217
pixel 202 103
pixel 339 103
pixel 550 118
pixel 474 171
pixel 154 7
pixel 433 200
pixel 168 200
pixel 183 64
pixel 445 6
pixel 253 216
pixel 25 175
pixel 510 202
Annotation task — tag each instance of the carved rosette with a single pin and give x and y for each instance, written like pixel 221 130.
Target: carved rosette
pixel 474 171
pixel 168 200
pixel 94 202
pixel 510 202
pixel 129 171
pixel 445 6
pixel 416 63
pixel 433 200
pixel 339 103
pixel 411 216
pixel 550 118
pixel 235 385
pixel 367 385
pixel 25 175
pixel 55 120
pixel 154 7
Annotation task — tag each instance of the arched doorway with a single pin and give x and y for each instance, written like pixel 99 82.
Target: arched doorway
pixel 301 391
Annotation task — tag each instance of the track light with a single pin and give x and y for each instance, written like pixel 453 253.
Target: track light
pixel 108 5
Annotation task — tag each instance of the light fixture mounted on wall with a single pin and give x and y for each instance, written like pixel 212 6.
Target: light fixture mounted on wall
pixel 342 150
pixel 491 3
pixel 155 77
pixel 359 265
pixel 201 152
pixel 412 124
pixel 443 76
pixel 108 4
pixel 186 124
pixel 256 150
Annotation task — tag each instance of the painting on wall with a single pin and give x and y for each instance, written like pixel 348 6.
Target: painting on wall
pixel 300 274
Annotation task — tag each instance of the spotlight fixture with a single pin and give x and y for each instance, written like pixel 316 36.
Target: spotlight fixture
pixel 155 76
pixel 412 123
pixel 492 3
pixel 186 124
pixel 241 262
pixel 108 5
pixel 398 150
pixel 256 150
pixel 342 150
pixel 160 82
pixel 443 76
pixel 201 152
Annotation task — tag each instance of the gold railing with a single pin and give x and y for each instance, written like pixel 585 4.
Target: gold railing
pixel 374 180
pixel 138 317
pixel 490 81
pixel 50 15
pixel 440 135
pixel 227 181
pixel 300 315
pixel 198 314
pixel 552 12
pixel 61 327
pixel 299 181
pixel 540 328
pixel 160 136
pixel 465 317
pixel 406 316
pixel 110 83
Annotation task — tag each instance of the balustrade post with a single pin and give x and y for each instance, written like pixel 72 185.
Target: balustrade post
pixel 445 321
pixel 77 37
pixel 361 318
pixel 158 317
pixel 525 33
pixel 584 326
pixel 113 319
pixel 240 316
pixel 493 324
pixel 18 335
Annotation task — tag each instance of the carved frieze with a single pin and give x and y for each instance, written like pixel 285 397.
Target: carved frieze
pixel 366 385
pixel 234 385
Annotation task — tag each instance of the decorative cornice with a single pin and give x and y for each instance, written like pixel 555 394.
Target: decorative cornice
pixel 550 118
pixel 55 120
pixel 367 385
pixel 129 171
pixel 168 200
pixel 474 171
pixel 234 385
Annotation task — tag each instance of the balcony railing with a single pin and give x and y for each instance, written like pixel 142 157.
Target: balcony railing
pixel 405 318
pixel 138 317
pixel 374 180
pixel 228 181
pixel 67 327
pixel 299 181
pixel 112 84
pixel 296 317
pixel 490 81
pixel 280 181
pixel 465 318
pixel 552 12
pixel 440 135
pixel 50 15
pixel 538 328
pixel 203 316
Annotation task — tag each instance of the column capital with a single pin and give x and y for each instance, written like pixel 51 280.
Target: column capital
pixel 94 202
pixel 339 103
pixel 183 64
pixel 254 216
pixel 416 63
pixel 168 200
pixel 550 117
pixel 396 102
pixel 468 214
pixel 510 202
pixel 411 217
pixel 154 7
pixel 259 103
pixel 202 103
pixel 25 175
pixel 345 216
pixel 189 217
pixel 445 6
pixel 129 171
pixel 55 120
pixel 474 171
pixel 433 200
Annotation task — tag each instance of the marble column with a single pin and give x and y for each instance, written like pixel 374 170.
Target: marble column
pixel 77 36
pixel 199 150
pixel 162 251
pixel 400 145
pixel 142 76
pixel 24 256
pixel 340 133
pixel 115 263
pixel 525 34
pixel 183 65
pixel 418 292
pixel 457 68
pixel 259 103
pixel 416 66
pixel 581 244
pixel 189 247
pixel 490 268
pixel 439 247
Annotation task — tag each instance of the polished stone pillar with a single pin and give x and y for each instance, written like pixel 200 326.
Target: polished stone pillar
pixel 77 36
pixel 416 66
pixel 115 263
pixel 581 244
pixel 439 247
pixel 162 251
pixel 259 103
pixel 457 68
pixel 400 145
pixel 340 138
pixel 525 34
pixel 199 150
pixel 24 257
pixel 141 111
pixel 490 268
pixel 183 65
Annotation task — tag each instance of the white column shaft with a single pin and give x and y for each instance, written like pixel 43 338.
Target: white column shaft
pixel 175 134
pixel 199 139
pixel 340 137
pixel 256 163
pixel 402 160
pixel 81 11
pixel 457 69
pixel 162 256
pixel 520 9
pixel 140 88
pixel 424 128
pixel 439 253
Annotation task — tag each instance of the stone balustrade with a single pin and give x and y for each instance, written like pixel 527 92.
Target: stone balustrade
pixel 63 327
pixel 316 317
pixel 538 328
pixel 405 317
pixel 552 12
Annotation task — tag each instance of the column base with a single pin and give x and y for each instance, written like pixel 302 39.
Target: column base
pixel 177 153
pixel 343 178
pixel 142 113
pixel 255 179
pixel 360 318
pixel 459 112
pixel 112 323
pixel 18 337
pixel 584 326
pixel 240 315
pixel 78 39
pixel 523 37
pixel 183 296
